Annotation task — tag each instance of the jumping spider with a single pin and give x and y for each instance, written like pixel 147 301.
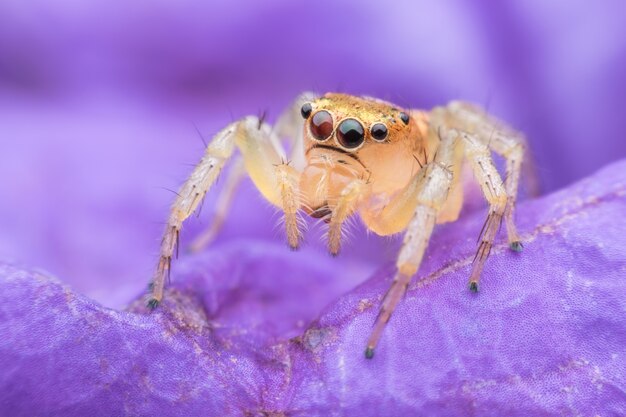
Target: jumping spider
pixel 399 170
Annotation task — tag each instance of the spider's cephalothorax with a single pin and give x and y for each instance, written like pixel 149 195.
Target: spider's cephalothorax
pixel 398 169
pixel 348 138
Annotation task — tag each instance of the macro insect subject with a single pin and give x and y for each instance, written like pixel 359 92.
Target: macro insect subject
pixel 400 170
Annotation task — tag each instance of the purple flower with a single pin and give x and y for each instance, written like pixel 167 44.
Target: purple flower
pixel 240 332
pixel 97 113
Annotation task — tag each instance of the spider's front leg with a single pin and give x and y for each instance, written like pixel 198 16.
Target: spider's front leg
pixel 427 193
pixel 265 162
pixel 288 126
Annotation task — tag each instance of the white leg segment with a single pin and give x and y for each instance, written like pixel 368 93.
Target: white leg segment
pixel 492 187
pixel 222 207
pixel 188 198
pixel 434 182
pixel 289 126
pixel 503 140
pixel 264 160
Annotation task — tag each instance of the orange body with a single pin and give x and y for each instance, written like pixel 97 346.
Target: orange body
pixel 387 166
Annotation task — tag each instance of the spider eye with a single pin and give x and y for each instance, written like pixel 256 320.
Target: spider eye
pixel 350 133
pixel 404 117
pixel 322 125
pixel 306 110
pixel 379 131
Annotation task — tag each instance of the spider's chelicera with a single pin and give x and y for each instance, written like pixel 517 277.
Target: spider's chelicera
pixel 398 170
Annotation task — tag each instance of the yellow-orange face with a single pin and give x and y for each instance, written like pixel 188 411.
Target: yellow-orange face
pixel 351 123
pixel 373 139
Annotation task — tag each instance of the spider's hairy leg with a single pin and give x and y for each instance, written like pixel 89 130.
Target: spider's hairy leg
pixel 222 207
pixel 492 187
pixel 263 160
pixel 188 198
pixel 504 141
pixel 341 210
pixel 432 185
pixel 514 158
pixel 289 126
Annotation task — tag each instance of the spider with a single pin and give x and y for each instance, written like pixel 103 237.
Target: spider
pixel 398 169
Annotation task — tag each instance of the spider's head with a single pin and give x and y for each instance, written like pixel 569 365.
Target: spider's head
pixel 369 138
pixel 353 123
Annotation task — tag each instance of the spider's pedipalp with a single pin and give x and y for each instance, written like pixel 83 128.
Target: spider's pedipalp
pixel 341 210
pixel 287 179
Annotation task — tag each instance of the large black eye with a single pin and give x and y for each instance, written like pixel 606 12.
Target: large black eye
pixel 379 131
pixel 305 110
pixel 322 125
pixel 350 133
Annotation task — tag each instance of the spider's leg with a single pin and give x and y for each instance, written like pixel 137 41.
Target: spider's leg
pixel 188 198
pixel 263 160
pixel 222 207
pixel 504 141
pixel 514 157
pixel 289 126
pixel 492 187
pixel 341 210
pixel 430 190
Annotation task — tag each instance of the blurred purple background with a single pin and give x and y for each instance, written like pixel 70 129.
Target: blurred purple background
pixel 98 102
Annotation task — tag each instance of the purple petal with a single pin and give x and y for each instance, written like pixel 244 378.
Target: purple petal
pixel 241 329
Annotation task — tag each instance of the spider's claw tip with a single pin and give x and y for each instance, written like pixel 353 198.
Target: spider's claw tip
pixel 473 286
pixel 369 352
pixel 153 303
pixel 516 246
